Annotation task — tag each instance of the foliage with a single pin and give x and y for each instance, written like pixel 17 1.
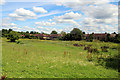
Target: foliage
pixel 27 35
pixel 76 34
pixel 5 32
pixel 13 36
pixel 63 33
pixel 90 38
pixel 117 38
pixel 54 32
pixel 110 62
pixel 19 42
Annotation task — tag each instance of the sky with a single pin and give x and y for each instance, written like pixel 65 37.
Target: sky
pixel 96 16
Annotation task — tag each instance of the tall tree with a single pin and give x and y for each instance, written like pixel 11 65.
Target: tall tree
pixel 54 32
pixel 31 32
pixel 76 34
pixel 63 33
pixel 90 37
pixel 27 31
pixel 10 30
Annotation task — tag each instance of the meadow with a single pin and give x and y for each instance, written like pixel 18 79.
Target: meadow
pixel 33 58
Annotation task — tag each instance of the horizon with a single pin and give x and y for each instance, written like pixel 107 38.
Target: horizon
pixel 63 31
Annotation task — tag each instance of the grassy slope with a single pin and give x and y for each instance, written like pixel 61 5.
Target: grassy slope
pixel 45 59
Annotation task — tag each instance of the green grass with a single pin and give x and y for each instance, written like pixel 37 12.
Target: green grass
pixel 46 59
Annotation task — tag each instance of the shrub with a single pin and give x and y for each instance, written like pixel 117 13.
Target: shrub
pixel 90 59
pixel 13 36
pixel 19 42
pixel 86 48
pixel 76 45
pixel 110 62
pixel 95 50
pixel 104 48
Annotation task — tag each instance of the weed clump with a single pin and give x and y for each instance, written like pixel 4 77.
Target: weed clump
pixel 104 48
pixel 19 42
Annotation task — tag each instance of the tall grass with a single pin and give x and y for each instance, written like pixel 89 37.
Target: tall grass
pixel 52 59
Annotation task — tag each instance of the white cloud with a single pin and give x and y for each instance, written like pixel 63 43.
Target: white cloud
pixel 50 20
pixel 70 15
pixel 101 11
pixel 2 2
pixel 8 25
pixel 110 21
pixel 40 27
pixel 68 21
pixel 52 13
pixel 95 27
pixel 39 9
pixel 68 18
pixel 49 30
pixel 42 23
pixel 27 28
pixel 77 4
pixel 22 14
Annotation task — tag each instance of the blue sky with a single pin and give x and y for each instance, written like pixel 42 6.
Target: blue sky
pixel 97 16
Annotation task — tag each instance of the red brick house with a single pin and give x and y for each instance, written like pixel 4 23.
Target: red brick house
pixel 99 36
pixel 22 35
pixel 46 36
pixel 55 36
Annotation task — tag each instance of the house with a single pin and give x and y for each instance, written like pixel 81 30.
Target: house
pixel 112 35
pixel 45 36
pixel 55 36
pixel 22 36
pixel 99 36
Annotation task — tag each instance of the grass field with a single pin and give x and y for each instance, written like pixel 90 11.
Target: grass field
pixel 47 59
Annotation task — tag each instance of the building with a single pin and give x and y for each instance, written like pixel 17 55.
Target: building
pixel 45 36
pixel 99 36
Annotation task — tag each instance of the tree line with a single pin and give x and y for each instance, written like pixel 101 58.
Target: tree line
pixel 76 34
pixel 15 35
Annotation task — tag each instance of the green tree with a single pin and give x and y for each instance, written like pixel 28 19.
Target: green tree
pixel 4 32
pixel 83 32
pixel 90 37
pixel 54 32
pixel 108 37
pixel 31 32
pixel 76 34
pixel 27 35
pixel 67 37
pixel 117 38
pixel 10 30
pixel 27 31
pixel 12 36
pixel 63 33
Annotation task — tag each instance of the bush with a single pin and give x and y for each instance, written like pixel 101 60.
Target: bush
pixel 13 36
pixel 104 48
pixel 110 62
pixel 90 59
pixel 76 45
pixel 19 42
pixel 86 48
